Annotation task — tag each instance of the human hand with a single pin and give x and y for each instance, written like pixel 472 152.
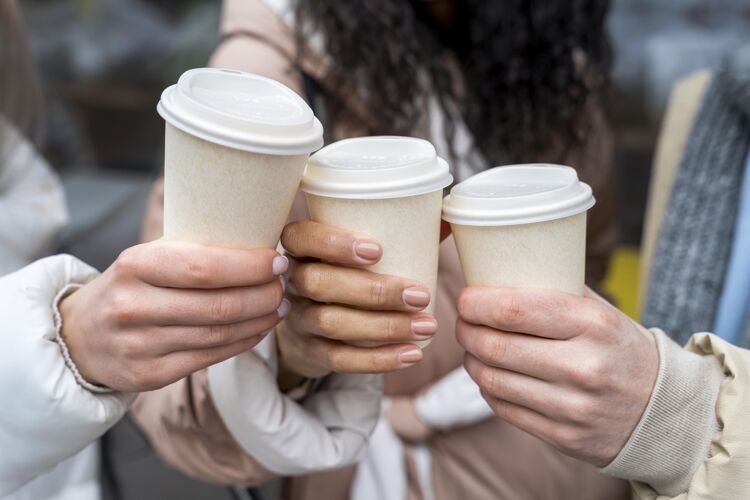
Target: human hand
pixel 573 371
pixel 338 307
pixel 164 310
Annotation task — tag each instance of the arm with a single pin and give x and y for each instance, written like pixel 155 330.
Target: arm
pixel 47 416
pixel 32 203
pixel 582 376
pixel 232 425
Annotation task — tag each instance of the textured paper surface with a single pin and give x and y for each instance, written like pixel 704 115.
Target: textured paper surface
pixel 549 255
pixel 407 228
pixel 220 196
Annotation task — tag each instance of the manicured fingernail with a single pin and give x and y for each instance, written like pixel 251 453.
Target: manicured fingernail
pixel 280 265
pixel 416 297
pixel 283 309
pixel 282 280
pixel 424 326
pixel 411 355
pixel 368 250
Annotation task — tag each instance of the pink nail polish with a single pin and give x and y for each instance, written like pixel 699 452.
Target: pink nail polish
pixel 416 297
pixel 411 356
pixel 368 250
pixel 424 327
pixel 280 265
pixel 283 309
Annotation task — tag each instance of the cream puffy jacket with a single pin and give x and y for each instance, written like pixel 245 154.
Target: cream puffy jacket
pixel 49 423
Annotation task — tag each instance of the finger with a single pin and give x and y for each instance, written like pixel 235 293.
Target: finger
pixel 357 287
pixel 353 325
pixel 344 358
pixel 525 419
pixel 533 356
pixel 186 265
pixel 330 244
pixel 544 313
pixel 519 389
pixel 179 365
pixel 181 338
pixel 207 307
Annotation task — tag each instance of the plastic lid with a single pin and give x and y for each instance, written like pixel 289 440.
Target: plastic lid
pixel 517 194
pixel 376 168
pixel 241 111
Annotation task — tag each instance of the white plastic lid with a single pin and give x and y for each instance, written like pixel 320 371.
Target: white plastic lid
pixel 376 168
pixel 241 111
pixel 517 194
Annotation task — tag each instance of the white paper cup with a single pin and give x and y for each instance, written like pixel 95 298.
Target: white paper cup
pixel 390 188
pixel 236 146
pixel 522 226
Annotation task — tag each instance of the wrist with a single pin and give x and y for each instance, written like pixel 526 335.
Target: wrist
pixel 69 338
pixel 682 404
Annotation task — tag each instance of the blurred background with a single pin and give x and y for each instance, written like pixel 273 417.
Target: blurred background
pixel 105 62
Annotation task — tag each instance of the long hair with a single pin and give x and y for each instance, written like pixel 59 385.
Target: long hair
pixel 20 96
pixel 521 74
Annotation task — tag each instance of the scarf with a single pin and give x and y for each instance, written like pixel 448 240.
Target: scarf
pixel 693 250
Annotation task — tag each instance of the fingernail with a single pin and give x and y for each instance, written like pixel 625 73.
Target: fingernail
pixel 416 297
pixel 411 355
pixel 282 280
pixel 368 250
pixel 283 309
pixel 424 327
pixel 280 265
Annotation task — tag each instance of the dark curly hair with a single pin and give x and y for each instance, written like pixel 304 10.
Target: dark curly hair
pixel 521 76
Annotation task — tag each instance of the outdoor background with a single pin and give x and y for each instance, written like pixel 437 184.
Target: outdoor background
pixel 105 62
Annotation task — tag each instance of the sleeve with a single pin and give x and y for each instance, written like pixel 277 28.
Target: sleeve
pixel 437 406
pixel 692 441
pixel 255 39
pixel 47 416
pixel 235 427
pixel 32 202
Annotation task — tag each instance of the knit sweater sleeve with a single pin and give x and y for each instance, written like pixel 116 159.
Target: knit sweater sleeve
pixel 674 435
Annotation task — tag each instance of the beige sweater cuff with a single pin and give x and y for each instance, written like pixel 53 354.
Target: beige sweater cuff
pixel 674 434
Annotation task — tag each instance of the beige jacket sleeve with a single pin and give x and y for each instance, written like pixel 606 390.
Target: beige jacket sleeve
pixel 693 440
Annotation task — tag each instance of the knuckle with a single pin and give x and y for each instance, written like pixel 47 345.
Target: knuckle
pixel 487 379
pixel 579 410
pixel 199 271
pixel 215 334
pixel 391 327
pixel 509 313
pixel 569 439
pixel 327 320
pixel 310 280
pixel 463 299
pixel 121 307
pixel 127 262
pixel 492 347
pixel 224 307
pixel 378 292
pixel 291 235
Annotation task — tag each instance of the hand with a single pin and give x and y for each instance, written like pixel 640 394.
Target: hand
pixel 164 310
pixel 573 371
pixel 337 307
pixel 405 422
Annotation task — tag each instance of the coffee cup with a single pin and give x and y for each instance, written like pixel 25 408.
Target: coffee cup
pixel 390 188
pixel 522 226
pixel 236 146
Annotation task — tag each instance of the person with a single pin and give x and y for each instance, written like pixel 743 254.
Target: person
pixel 487 84
pixel 579 374
pixel 78 344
